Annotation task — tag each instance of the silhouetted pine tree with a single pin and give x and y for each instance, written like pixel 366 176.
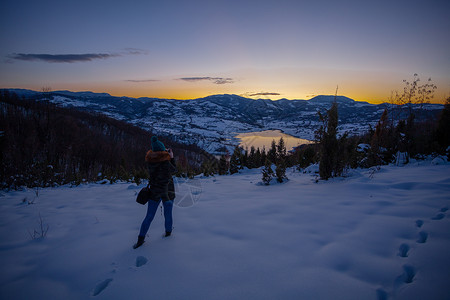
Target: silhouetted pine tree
pixel 280 170
pixel 208 167
pixel 305 156
pixel 258 158
pixel 380 144
pixel 223 165
pixel 267 172
pixel 281 149
pixel 329 143
pixel 244 158
pixel 263 157
pixel 251 160
pixel 272 153
pixel 236 160
pixel 443 128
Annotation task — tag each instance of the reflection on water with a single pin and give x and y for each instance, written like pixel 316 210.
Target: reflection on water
pixel 264 139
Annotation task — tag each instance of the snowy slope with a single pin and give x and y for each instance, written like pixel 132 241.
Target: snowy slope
pixel 373 235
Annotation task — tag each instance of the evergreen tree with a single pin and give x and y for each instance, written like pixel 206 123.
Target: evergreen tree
pixel 380 141
pixel 329 143
pixel 343 155
pixel 263 157
pixel 223 165
pixel 251 160
pixel 272 154
pixel 258 158
pixel 443 128
pixel 208 167
pixel 245 158
pixel 410 134
pixel 267 172
pixel 280 170
pixel 305 156
pixel 236 160
pixel 281 149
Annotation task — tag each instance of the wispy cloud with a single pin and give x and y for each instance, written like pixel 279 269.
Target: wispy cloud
pixel 135 51
pixel 252 94
pixel 215 80
pixel 72 58
pixel 264 94
pixel 61 58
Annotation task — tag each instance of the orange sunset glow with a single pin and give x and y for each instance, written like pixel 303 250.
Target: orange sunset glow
pixel 268 50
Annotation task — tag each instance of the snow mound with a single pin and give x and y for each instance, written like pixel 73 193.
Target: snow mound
pixel 439 160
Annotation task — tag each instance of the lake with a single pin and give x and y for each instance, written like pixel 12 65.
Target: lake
pixel 264 138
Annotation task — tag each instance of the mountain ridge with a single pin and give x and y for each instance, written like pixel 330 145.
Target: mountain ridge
pixel 321 98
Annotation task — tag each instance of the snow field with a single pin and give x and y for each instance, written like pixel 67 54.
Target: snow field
pixel 385 237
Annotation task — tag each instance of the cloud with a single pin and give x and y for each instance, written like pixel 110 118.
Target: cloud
pixel 141 80
pixel 72 58
pixel 61 58
pixel 253 94
pixel 215 80
pixel 134 51
pixel 264 94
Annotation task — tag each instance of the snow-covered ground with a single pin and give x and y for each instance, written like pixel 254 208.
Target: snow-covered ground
pixel 373 235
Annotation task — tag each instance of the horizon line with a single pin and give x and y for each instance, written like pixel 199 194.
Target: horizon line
pixel 186 98
pixel 210 95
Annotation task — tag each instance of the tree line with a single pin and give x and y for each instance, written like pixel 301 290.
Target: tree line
pixel 408 138
pixel 337 153
pixel 42 144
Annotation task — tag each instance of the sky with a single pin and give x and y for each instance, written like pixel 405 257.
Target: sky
pixel 258 49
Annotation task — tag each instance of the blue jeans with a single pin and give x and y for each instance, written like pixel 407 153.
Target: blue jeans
pixel 151 210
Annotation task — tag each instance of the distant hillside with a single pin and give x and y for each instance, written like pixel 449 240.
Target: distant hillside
pixel 43 144
pixel 213 122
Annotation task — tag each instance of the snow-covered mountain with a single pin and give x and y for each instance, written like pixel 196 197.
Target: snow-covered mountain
pixel 213 122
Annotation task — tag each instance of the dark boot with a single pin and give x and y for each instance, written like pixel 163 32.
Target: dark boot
pixel 140 241
pixel 168 233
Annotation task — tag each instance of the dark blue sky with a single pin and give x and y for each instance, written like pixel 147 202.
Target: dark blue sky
pixel 187 49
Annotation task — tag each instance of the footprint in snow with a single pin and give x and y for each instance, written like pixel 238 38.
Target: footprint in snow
pixel 408 273
pixel 406 277
pixel 439 216
pixel 419 223
pixel 403 250
pixel 382 294
pixel 423 236
pixel 140 261
pixel 101 286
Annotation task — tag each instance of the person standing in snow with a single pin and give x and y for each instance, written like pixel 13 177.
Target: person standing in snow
pixel 161 167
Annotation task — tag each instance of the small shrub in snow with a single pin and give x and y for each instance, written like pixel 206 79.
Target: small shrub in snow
pixel 373 170
pixel 42 230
